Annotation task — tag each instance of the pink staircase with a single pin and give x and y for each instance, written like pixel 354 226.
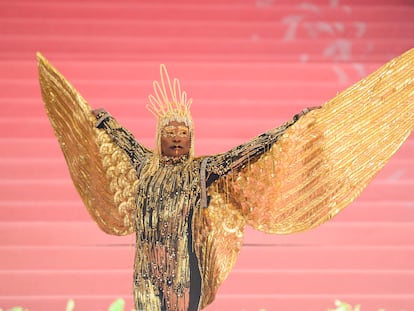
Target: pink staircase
pixel 249 66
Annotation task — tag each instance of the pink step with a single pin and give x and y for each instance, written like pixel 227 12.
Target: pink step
pixel 87 233
pixel 319 257
pixel 269 282
pixel 191 11
pixel 285 27
pixel 34 283
pixel 377 211
pixel 380 50
pixel 287 55
pixel 57 234
pixel 43 211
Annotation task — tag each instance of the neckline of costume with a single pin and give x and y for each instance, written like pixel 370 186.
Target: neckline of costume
pixel 173 160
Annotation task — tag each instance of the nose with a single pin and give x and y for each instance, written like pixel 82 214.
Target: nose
pixel 176 139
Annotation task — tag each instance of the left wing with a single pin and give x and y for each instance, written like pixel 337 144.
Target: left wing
pixel 325 160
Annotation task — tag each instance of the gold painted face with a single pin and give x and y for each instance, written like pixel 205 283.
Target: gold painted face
pixel 175 139
pixel 172 130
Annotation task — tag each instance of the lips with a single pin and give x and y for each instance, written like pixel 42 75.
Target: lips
pixel 176 147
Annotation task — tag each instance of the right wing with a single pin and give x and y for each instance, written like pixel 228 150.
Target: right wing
pixel 100 170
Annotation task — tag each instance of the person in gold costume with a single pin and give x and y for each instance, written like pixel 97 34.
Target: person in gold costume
pixel 188 213
pixel 171 192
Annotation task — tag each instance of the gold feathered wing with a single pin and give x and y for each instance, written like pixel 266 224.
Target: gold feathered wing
pixel 100 170
pixel 315 169
pixel 325 160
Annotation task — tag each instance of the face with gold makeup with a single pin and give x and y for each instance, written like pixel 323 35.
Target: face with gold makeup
pixel 175 139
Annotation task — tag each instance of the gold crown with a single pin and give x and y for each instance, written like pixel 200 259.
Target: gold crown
pixel 169 103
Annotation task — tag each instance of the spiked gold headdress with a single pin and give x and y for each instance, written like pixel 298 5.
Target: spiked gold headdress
pixel 169 104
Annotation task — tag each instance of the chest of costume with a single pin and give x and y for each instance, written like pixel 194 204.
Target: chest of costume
pixel 164 201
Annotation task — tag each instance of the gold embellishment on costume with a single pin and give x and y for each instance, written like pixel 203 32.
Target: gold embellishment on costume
pixel 101 172
pixel 165 200
pixel 121 177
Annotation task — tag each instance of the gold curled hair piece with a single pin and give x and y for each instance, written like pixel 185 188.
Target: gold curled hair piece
pixel 169 103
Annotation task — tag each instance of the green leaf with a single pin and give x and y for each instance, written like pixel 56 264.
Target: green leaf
pixel 117 305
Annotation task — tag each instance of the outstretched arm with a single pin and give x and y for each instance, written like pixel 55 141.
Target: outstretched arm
pixel 238 157
pixel 121 137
